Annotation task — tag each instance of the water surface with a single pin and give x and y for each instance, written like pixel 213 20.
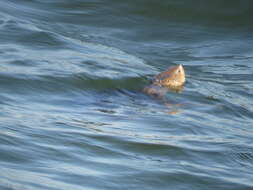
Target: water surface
pixel 73 113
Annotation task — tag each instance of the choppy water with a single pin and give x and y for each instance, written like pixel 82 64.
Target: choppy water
pixel 73 114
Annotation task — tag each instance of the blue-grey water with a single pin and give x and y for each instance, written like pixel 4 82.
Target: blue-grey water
pixel 74 116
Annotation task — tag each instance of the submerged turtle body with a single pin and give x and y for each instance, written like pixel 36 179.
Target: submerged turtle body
pixel 171 79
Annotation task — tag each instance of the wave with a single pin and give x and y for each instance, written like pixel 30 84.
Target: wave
pixel 207 12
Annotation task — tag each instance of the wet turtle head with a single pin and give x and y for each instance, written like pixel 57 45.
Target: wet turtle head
pixel 174 77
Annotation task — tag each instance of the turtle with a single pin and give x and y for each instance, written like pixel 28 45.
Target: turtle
pixel 172 79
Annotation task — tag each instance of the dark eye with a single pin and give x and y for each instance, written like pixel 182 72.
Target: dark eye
pixel 178 71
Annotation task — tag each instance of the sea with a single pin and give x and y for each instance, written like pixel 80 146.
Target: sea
pixel 73 114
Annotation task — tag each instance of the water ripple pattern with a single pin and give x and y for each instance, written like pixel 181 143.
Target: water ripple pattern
pixel 73 112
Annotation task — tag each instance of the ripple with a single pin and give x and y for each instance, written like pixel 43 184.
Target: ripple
pixel 73 114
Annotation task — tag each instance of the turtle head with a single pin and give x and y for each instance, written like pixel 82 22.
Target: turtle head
pixel 174 77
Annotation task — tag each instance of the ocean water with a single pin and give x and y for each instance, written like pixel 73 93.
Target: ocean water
pixel 73 112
